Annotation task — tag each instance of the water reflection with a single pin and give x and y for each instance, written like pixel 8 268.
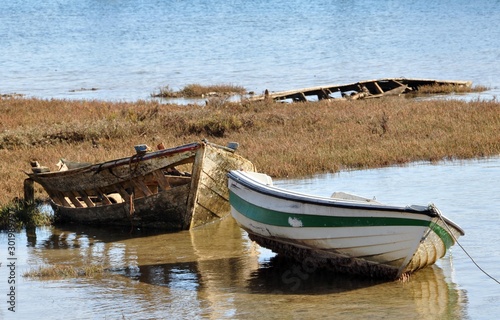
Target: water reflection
pixel 216 272
pixel 427 294
pixel 281 275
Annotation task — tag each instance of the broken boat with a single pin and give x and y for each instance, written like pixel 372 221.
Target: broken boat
pixel 345 233
pixel 173 189
pixel 367 89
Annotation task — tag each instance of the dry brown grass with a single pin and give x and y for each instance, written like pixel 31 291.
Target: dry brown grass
pixel 449 89
pixel 197 91
pixel 283 140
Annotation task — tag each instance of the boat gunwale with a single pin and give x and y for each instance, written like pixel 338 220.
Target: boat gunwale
pixel 285 194
pixel 120 161
pixel 246 180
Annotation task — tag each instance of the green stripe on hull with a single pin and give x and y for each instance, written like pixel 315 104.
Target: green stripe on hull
pixel 281 219
pixel 443 235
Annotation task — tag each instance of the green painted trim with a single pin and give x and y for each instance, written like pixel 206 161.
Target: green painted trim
pixel 278 218
pixel 443 235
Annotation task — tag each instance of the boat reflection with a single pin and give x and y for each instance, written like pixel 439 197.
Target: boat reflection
pixel 216 272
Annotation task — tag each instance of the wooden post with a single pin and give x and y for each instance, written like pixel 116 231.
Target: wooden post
pixel 29 191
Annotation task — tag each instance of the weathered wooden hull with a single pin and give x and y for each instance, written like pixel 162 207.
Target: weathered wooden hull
pixel 356 236
pixel 367 89
pixel 145 190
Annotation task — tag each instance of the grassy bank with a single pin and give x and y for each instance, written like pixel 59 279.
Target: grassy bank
pixel 283 140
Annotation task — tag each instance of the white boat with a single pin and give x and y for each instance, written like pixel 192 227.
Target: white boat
pixel 345 233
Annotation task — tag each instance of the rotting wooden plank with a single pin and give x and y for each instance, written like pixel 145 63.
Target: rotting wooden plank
pixel 55 197
pixel 175 181
pixel 324 94
pixel 72 196
pixel 377 87
pixel 105 200
pixel 85 197
pixel 193 190
pixel 147 181
pixel 62 199
pixel 161 179
pixel 121 190
pixel 142 188
pixel 395 91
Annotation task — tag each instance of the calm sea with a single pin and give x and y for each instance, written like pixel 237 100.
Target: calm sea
pixel 126 50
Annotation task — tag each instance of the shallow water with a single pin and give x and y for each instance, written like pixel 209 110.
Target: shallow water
pixel 216 272
pixel 127 50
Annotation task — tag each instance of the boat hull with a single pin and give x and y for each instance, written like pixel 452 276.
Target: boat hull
pixel 366 89
pixel 357 237
pixel 164 210
pixel 146 190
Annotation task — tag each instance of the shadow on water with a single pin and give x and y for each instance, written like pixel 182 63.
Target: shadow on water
pixel 286 276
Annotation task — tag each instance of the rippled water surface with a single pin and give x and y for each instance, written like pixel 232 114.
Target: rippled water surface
pixel 216 272
pixel 126 50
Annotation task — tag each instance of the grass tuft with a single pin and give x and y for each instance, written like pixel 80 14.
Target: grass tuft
pixel 200 91
pixel 17 215
pixel 448 89
pixel 65 271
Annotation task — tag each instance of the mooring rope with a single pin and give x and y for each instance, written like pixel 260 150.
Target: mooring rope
pixel 440 215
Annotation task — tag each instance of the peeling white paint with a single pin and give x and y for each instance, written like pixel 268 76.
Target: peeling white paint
pixel 294 222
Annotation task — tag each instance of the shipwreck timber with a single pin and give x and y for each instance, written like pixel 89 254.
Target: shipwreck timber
pixel 367 89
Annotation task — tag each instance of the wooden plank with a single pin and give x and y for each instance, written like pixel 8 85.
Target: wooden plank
pixel 299 96
pixel 55 197
pixel 377 87
pixel 74 200
pixel 62 199
pixel 105 200
pixel 121 190
pixel 142 188
pixel 83 194
pixel 324 94
pixel 162 180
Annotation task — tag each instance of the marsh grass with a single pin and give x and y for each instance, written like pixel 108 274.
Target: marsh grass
pixel 17 214
pixel 200 91
pixel 448 89
pixel 283 140
pixel 65 271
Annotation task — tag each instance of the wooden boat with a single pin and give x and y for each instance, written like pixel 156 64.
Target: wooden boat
pixel 147 189
pixel 345 233
pixel 367 89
